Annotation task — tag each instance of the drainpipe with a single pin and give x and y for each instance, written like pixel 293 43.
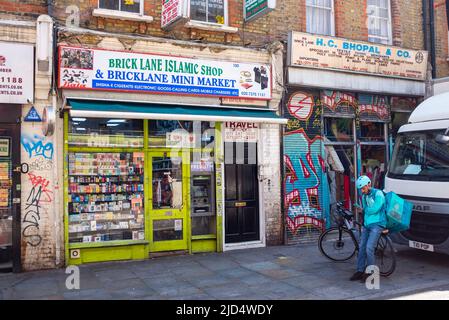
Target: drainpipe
pixel 432 38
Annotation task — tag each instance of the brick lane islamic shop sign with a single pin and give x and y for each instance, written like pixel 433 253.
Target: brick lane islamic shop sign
pixel 311 51
pixel 126 71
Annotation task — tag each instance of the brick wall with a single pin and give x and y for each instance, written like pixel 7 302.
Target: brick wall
pixel 441 39
pixel 350 19
pixel 32 8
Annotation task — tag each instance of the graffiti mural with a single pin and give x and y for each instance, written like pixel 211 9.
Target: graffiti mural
pixel 373 107
pixel 304 167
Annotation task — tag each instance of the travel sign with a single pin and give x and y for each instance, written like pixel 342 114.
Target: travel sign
pixel 321 52
pixel 127 71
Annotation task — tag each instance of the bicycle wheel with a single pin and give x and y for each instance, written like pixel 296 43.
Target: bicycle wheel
pixel 385 256
pixel 337 244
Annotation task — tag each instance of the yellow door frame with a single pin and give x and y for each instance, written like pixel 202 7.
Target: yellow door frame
pixel 169 213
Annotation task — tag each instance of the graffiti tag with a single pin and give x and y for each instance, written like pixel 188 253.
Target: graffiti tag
pixel 32 218
pixel 36 146
pixel 38 181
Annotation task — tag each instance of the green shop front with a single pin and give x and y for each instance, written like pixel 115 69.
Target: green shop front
pixel 143 179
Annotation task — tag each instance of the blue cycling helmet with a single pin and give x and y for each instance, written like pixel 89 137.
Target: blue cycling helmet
pixel 363 181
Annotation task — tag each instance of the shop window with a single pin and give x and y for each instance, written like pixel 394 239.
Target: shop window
pixel 211 11
pixel 320 17
pixel 398 119
pixel 379 21
pixel 133 6
pixel 373 163
pixel 372 132
pixel 181 134
pixel 95 132
pixel 340 174
pixel 339 129
pixel 105 200
pixel 166 230
pixel 167 183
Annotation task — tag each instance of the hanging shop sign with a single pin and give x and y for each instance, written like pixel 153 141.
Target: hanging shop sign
pixel 253 9
pixel 241 131
pixel 127 71
pixel 321 52
pixel 173 13
pixel 16 73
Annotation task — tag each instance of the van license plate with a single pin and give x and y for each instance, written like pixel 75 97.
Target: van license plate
pixel 420 246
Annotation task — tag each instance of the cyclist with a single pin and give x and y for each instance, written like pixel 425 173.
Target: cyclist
pixel 374 223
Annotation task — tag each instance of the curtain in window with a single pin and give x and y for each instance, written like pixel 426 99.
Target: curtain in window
pixel 378 12
pixel 207 10
pixel 319 16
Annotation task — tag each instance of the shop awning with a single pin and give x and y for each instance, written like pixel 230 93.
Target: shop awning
pixel 130 110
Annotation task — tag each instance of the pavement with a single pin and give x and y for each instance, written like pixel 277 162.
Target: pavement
pixel 272 273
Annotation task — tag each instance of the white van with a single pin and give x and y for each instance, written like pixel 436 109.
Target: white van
pixel 419 172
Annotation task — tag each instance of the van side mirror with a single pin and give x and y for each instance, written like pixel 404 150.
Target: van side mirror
pixel 443 138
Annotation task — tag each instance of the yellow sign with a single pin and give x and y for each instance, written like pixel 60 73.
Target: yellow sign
pixel 322 52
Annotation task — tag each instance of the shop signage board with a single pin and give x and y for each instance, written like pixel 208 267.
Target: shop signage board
pixel 255 8
pixel 16 73
pixel 241 131
pixel 173 12
pixel 136 72
pixel 4 147
pixel 332 53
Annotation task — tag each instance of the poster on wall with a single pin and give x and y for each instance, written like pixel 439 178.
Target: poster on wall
pixel 16 73
pixel 311 51
pixel 137 72
pixel 173 13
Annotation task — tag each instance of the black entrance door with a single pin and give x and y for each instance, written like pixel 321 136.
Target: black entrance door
pixel 9 190
pixel 242 195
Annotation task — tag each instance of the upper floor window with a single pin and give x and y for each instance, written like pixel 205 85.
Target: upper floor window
pixel 132 6
pixel 211 11
pixel 320 17
pixel 379 21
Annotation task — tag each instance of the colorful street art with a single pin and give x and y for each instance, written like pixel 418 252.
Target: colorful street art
pixel 305 199
pixel 373 107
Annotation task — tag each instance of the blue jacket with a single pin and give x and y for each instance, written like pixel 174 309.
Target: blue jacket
pixel 373 205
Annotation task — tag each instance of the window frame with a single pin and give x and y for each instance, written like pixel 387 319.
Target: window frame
pixel 389 26
pixel 332 10
pixel 225 13
pixel 140 13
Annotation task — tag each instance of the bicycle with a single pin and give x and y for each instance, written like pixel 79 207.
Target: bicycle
pixel 340 243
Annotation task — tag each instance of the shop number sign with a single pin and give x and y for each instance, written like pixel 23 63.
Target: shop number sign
pixel 16 73
pixel 126 71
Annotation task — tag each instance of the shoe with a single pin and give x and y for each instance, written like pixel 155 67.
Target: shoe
pixel 364 277
pixel 357 276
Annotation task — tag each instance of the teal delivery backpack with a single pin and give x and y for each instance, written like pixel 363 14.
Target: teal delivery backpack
pixel 399 212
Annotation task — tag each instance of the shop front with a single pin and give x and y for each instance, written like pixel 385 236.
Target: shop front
pixel 145 178
pixel 16 90
pixel 343 119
